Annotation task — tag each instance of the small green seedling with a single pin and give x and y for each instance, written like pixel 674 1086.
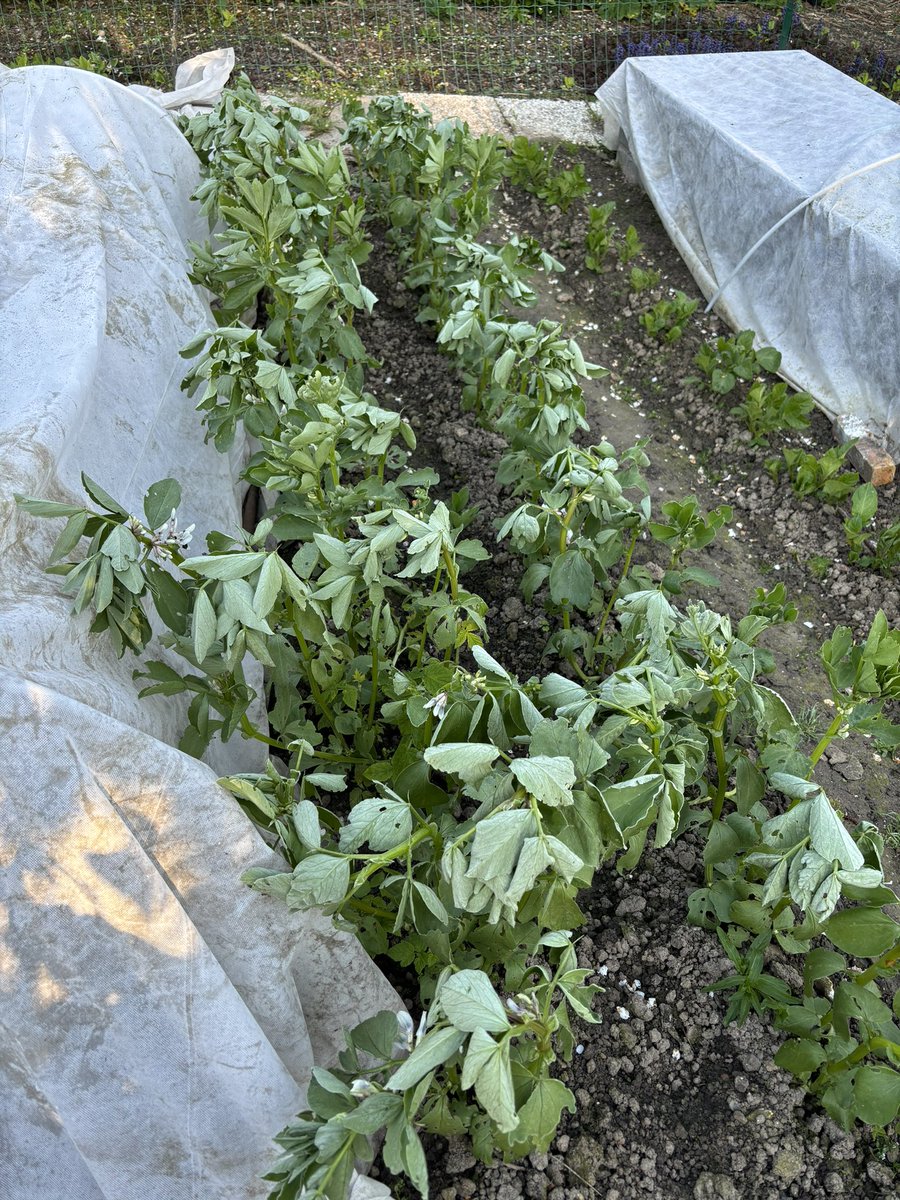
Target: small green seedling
pixel 631 245
pixel 599 239
pixel 731 359
pixel 768 410
pixel 642 280
pixel 811 476
pixel 667 318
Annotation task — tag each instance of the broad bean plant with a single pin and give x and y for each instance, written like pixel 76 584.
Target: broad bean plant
pixel 447 812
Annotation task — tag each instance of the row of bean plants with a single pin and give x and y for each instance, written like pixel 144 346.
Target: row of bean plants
pixel 446 812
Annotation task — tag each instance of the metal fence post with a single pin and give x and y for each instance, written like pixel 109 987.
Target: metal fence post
pixel 787 24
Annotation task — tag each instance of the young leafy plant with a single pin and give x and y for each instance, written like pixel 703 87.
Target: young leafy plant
pixel 600 234
pixel 772 409
pixel 729 360
pixel 531 167
pixel 667 318
pixel 822 477
pixel 643 280
pixel 631 245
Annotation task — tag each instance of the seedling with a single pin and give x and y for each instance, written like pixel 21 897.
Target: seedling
pixel 600 235
pixel 631 245
pixel 811 476
pixel 642 280
pixel 531 167
pixel 731 359
pixel 667 318
pixel 772 409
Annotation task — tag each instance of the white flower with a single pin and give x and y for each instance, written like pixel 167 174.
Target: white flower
pixel 408 1036
pixel 361 1088
pixel 423 1022
pixel 438 705
pixel 405 1032
pixel 166 540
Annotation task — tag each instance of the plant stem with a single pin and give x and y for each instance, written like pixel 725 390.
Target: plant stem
pixel 249 730
pixel 626 566
pixel 718 740
pixel 830 734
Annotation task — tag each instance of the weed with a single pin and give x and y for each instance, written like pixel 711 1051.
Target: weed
pixel 819 565
pixel 821 477
pixel 642 280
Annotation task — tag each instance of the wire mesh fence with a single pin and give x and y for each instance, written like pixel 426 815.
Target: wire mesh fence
pixel 506 47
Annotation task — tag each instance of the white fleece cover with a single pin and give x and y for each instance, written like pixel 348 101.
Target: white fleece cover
pixel 158 1020
pixel 725 146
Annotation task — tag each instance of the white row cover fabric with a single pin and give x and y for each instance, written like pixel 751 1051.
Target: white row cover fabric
pixel 198 83
pixel 725 146
pixel 158 1020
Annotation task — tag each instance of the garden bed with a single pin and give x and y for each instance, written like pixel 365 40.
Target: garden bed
pixel 452 813
pixel 671 1103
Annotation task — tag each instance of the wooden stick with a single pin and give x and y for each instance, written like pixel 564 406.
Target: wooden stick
pixel 307 49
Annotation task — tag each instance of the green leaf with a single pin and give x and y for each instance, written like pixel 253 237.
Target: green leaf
pixel 865 503
pixel 319 880
pixel 571 579
pixel 876 1094
pixel 862 932
pixel 800 1056
pixel 305 817
pixel 160 500
pixel 377 1035
pixel 494 1089
pixel 540 1115
pixel 97 494
pixel 631 805
pixel 224 566
pixel 829 837
pixel 471 761
pixel 470 1002
pixel 374 1113
pixel 820 963
pixel 496 846
pixel 270 883
pixel 204 625
pixel 47 508
pixel 327 781
pixel 435 1048
pixel 268 586
pixel 121 548
pixel 549 780
pixel 382 823
pixel 432 902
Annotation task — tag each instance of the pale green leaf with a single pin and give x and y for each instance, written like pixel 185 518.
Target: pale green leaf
pixel 549 780
pixel 470 1002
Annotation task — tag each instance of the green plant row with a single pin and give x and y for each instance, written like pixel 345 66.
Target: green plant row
pixel 768 409
pixel 422 795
